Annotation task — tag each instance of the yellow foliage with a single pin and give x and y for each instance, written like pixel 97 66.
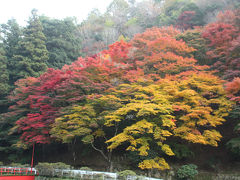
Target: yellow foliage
pixel 140 127
pixel 78 122
pixel 212 136
pixel 119 139
pixel 99 133
pixel 189 108
pixel 166 148
pixel 131 148
pixel 143 150
pixel 167 121
pixel 191 137
pixel 156 163
pixel 160 134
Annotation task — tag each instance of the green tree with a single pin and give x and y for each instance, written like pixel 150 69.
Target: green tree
pixel 4 78
pixel 12 35
pixel 62 41
pixel 193 38
pixel 172 9
pixel 33 55
pixel 233 91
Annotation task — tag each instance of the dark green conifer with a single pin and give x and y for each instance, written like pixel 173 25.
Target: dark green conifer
pixel 12 35
pixel 33 54
pixel 4 77
pixel 63 41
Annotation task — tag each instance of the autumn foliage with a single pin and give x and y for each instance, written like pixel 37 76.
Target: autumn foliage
pixel 185 20
pixel 135 95
pixel 223 44
pixel 39 100
pixel 233 90
pixel 159 53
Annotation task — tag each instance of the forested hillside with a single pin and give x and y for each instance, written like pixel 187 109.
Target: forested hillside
pixel 155 81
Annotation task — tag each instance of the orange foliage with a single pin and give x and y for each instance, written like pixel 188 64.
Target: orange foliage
pixel 158 52
pixel 233 89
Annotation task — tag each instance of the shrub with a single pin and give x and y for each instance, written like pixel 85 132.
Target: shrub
pixel 234 146
pixel 86 169
pixel 60 165
pixel 48 169
pixel 125 173
pixel 45 169
pixel 19 165
pixel 181 151
pixel 187 172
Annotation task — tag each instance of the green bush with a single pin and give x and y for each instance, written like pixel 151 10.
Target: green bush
pixel 47 169
pixel 187 172
pixel 61 165
pixel 86 169
pixel 19 165
pixel 125 173
pixel 234 146
pixel 181 151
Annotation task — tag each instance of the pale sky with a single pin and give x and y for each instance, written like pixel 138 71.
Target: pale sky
pixel 21 9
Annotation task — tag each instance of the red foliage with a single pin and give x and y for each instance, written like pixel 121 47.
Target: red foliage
pixel 224 43
pixel 38 97
pixel 232 65
pixel 39 100
pixel 233 90
pixel 150 55
pixel 219 36
pixel 184 21
pixel 230 17
pixel 118 52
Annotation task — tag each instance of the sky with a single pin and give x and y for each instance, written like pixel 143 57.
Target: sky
pixel 21 9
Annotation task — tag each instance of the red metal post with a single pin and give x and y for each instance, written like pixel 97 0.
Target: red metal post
pixel 32 157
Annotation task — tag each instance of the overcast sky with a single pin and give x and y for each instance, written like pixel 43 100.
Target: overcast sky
pixel 21 9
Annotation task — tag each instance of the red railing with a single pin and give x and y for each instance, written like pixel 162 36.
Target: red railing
pixel 17 171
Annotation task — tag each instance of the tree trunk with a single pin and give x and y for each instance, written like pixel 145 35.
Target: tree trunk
pixel 43 153
pixel 110 166
pixel 73 151
pixel 110 162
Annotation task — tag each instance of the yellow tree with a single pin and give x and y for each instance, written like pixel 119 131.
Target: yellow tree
pixel 200 105
pixel 87 122
pixel 189 108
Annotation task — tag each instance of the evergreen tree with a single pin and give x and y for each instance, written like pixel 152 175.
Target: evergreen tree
pixel 5 87
pixel 27 55
pixel 62 41
pixel 4 78
pixel 33 54
pixel 12 35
